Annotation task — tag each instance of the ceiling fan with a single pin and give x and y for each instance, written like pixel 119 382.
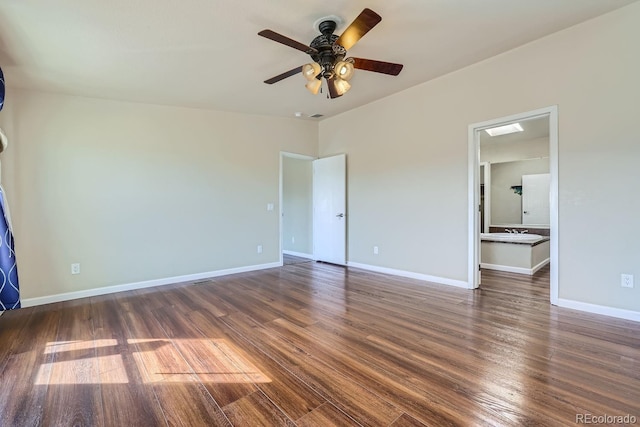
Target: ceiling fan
pixel 328 52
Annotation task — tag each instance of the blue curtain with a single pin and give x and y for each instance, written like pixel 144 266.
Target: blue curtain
pixel 9 289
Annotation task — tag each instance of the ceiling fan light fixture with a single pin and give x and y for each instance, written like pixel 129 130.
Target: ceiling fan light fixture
pixel 310 71
pixel 313 86
pixel 328 52
pixel 344 70
pixel 342 86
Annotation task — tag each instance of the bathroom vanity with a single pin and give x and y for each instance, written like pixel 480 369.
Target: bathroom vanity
pixel 513 252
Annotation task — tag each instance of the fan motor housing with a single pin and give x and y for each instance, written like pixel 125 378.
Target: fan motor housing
pixel 328 52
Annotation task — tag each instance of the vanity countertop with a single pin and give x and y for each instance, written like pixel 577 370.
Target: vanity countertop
pixel 534 241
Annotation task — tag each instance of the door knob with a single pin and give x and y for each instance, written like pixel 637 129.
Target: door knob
pixel 340 215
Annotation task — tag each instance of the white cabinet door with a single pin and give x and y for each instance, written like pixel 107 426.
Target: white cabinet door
pixel 329 209
pixel 535 199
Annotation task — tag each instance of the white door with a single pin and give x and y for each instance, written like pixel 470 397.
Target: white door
pixel 535 199
pixel 329 209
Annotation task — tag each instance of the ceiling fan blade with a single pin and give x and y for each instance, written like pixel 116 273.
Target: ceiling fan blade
pixel 358 28
pixel 272 35
pixel 377 66
pixel 333 91
pixel 284 75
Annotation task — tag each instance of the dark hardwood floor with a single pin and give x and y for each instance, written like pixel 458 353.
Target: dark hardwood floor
pixel 292 259
pixel 313 344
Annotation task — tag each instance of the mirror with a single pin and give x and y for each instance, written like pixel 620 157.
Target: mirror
pixel 519 164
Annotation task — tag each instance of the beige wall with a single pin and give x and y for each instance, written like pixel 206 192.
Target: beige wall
pixel 407 158
pixel 139 192
pixel 493 152
pixel 297 205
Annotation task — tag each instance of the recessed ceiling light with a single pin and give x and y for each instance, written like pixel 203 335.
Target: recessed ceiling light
pixel 297 114
pixel 504 130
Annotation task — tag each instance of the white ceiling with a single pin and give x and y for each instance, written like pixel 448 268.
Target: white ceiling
pixel 207 54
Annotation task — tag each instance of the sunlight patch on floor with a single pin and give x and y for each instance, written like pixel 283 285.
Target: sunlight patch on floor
pixel 157 360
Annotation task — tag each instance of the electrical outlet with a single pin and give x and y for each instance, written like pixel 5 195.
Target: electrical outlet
pixel 75 268
pixel 626 280
pixel 375 250
pixel 259 249
pixel 293 239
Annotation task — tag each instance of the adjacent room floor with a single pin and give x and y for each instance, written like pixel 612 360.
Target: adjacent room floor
pixel 292 259
pixel 313 344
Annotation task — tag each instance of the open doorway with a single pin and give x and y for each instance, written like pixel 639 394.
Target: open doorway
pixel 296 215
pixel 499 167
pixel 313 210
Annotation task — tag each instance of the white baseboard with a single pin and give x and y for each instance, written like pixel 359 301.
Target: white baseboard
pixel 410 275
pixel 30 302
pixel 506 268
pixel 535 269
pixel 620 313
pixel 298 254
pixel 510 269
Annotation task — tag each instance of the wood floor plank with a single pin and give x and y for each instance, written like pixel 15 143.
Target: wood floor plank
pixel 281 386
pixel 125 397
pixel 12 328
pixel 316 344
pixel 326 415
pixel 25 377
pixel 216 370
pixel 73 394
pixel 447 358
pixel 406 421
pixel 410 389
pixel 182 398
pixel 361 403
pixel 256 410
pixel 188 404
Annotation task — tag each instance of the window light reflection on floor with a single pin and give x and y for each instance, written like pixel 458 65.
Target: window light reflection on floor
pixel 157 361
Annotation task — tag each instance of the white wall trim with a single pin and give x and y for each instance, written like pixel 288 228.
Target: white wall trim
pixel 487 196
pixel 535 268
pixel 620 313
pixel 473 191
pixel 410 275
pixel 519 270
pixel 298 254
pixel 31 302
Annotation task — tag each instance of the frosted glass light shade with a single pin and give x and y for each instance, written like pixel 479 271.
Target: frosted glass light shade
pixel 344 70
pixel 314 86
pixel 342 86
pixel 310 71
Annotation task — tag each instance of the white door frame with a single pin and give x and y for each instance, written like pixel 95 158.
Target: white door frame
pixel 474 191
pixel 284 154
pixel 487 196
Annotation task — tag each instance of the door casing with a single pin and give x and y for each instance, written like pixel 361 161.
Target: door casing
pixel 473 276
